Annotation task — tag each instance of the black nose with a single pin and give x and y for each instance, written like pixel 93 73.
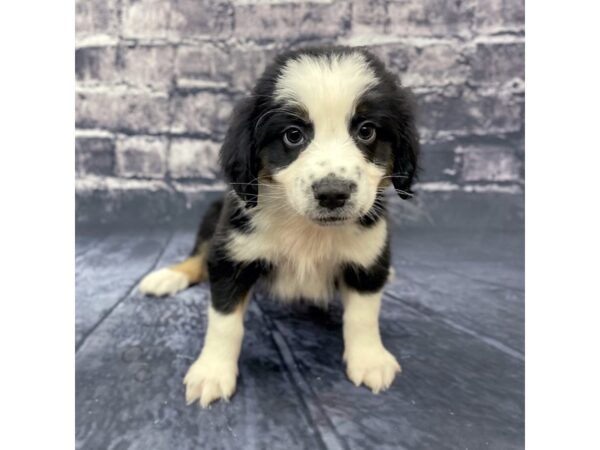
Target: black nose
pixel 333 193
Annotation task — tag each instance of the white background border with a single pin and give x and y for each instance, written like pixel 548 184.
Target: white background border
pixel 37 249
pixel 562 290
pixel 562 220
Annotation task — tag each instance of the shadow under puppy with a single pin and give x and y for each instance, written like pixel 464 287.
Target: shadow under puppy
pixel 308 155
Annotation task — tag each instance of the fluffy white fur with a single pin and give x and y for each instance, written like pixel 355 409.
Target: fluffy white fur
pixel 328 89
pixel 306 254
pixel 367 360
pixel 163 282
pixel 213 375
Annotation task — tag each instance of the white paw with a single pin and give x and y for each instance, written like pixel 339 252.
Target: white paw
pixel 163 282
pixel 209 379
pixel 376 368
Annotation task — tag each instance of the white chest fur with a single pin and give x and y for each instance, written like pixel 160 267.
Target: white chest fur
pixel 306 257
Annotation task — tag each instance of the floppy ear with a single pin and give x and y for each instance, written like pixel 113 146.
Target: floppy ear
pixel 238 157
pixel 406 148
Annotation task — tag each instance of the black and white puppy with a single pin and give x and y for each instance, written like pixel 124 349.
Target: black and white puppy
pixel 308 156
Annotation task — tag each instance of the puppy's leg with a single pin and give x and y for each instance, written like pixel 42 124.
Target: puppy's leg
pixel 170 280
pixel 367 360
pixel 214 373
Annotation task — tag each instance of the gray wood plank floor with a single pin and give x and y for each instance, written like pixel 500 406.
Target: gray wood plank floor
pixel 453 315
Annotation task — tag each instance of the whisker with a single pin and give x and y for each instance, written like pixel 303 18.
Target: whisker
pixel 395 176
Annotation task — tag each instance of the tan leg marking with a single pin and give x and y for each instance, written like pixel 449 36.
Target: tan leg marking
pixel 193 268
pixel 170 280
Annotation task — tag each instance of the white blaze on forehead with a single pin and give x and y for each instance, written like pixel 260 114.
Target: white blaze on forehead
pixel 327 86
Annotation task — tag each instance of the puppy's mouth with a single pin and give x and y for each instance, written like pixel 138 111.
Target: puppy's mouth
pixel 337 217
pixel 332 220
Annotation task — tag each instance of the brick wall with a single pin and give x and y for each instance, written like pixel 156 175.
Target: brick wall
pixel 156 81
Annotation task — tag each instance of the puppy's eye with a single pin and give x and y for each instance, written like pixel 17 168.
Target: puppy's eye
pixel 293 137
pixel 366 133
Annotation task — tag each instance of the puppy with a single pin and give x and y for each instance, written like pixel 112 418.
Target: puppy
pixel 308 156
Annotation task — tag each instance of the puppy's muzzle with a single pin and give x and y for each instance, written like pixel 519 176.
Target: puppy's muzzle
pixel 332 192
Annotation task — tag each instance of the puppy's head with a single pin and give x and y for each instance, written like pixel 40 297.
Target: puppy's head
pixel 325 130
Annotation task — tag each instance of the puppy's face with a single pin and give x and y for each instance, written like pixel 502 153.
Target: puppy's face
pixel 330 129
pixel 326 153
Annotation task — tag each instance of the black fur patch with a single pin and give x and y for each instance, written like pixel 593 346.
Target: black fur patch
pixel 392 108
pixel 208 225
pixel 230 281
pixel 239 219
pixel 273 152
pixel 370 279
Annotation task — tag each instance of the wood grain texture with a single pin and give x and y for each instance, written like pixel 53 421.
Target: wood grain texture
pixel 453 317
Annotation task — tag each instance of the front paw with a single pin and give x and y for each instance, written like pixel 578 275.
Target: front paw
pixel 376 368
pixel 209 379
pixel 163 282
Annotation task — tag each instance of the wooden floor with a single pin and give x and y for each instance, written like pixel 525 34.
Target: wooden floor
pixel 454 317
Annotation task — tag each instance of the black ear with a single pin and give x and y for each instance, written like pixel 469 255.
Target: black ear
pixel 238 157
pixel 406 148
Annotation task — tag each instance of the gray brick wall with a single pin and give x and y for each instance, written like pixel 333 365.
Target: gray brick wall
pixel 156 81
